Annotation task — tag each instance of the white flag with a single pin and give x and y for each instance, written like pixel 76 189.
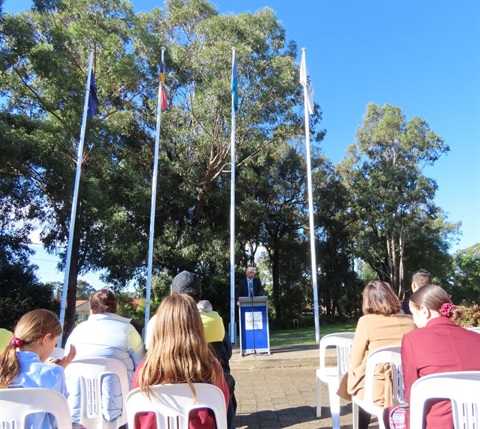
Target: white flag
pixel 306 83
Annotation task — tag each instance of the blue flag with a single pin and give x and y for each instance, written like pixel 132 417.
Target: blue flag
pixel 92 97
pixel 234 87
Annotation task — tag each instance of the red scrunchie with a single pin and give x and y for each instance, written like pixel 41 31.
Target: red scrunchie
pixel 17 342
pixel 447 309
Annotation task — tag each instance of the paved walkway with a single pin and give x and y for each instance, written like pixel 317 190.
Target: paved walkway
pixel 277 391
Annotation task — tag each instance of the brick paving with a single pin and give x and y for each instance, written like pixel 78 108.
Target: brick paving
pixel 278 391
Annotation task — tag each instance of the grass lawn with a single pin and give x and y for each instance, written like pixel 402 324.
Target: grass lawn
pixel 307 335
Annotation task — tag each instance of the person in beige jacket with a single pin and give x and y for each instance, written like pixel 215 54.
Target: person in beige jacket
pixel 381 325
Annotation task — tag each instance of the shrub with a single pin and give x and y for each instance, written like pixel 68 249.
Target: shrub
pixel 470 316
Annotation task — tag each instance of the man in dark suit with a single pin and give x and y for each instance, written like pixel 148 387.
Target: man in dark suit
pixel 250 286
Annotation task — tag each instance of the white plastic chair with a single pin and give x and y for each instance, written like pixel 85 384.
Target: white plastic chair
pixel 332 375
pixel 89 372
pixel 18 402
pixel 380 356
pixel 474 329
pixel 172 403
pixel 463 390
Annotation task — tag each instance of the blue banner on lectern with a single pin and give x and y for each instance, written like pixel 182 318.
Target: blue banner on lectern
pixel 254 332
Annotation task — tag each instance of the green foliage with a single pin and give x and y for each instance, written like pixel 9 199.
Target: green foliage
pixel 338 288
pixel 392 199
pixel 84 290
pixel 132 309
pixel 20 293
pixel 376 206
pixel 465 280
pixel 470 316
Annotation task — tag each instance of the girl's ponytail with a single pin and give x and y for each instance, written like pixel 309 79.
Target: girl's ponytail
pixel 31 327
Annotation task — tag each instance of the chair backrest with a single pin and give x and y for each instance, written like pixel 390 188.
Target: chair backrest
pixel 342 341
pixel 97 380
pixel 18 402
pixel 463 390
pixel 385 355
pixel 172 404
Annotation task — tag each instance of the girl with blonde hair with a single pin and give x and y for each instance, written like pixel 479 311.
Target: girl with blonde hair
pixel 179 353
pixel 22 360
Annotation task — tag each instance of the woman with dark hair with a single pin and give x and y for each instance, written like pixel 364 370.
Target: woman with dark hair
pixel 439 345
pixel 107 334
pixel 381 325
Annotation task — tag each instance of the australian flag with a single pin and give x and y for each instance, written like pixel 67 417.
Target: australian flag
pixel 92 97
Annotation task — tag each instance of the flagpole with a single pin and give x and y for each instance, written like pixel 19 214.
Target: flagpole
pixel 232 215
pixel 153 204
pixel 310 200
pixel 73 214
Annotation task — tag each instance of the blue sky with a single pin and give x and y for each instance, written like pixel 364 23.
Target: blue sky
pixel 422 56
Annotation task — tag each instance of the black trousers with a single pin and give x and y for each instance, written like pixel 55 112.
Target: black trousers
pixel 363 418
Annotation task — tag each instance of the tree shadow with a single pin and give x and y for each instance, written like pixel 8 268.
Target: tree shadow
pixel 288 417
pixel 277 419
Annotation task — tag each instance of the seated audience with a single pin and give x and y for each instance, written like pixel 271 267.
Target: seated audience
pixel 381 325
pixel 179 353
pixel 22 360
pixel 438 345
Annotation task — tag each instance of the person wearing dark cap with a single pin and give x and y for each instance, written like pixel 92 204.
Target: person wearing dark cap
pixel 187 283
pixel 190 284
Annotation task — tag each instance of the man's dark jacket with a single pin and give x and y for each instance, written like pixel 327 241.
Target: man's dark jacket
pixel 242 289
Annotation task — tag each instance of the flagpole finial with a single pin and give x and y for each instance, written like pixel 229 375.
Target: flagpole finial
pixel 233 49
pixel 163 51
pixel 304 49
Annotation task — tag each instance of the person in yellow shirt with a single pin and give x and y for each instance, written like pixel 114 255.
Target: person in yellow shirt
pixel 5 337
pixel 212 322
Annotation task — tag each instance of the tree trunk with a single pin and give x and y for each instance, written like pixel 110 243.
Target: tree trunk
pixel 401 248
pixel 276 282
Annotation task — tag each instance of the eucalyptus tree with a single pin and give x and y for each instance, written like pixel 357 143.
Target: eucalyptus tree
pixel 335 242
pixel 428 247
pixel 391 196
pixel 44 67
pixel 274 214
pixel 195 165
pixel 44 59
